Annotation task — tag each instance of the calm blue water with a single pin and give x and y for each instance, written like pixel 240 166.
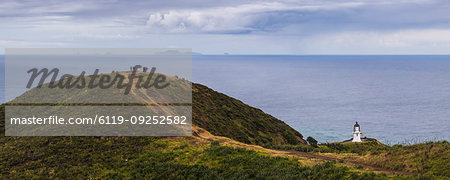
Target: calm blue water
pixel 394 98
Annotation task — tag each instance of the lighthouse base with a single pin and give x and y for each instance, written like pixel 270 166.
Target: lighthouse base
pixel 356 137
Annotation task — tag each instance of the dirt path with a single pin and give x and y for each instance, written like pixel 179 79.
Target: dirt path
pixel 373 167
pixel 310 158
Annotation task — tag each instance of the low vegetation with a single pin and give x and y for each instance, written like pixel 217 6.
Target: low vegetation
pixel 431 158
pixel 358 148
pixel 151 157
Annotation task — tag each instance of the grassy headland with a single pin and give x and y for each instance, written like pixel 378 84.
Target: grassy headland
pixel 199 158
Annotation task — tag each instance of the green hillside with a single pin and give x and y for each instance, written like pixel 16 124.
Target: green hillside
pixel 213 111
pixel 225 116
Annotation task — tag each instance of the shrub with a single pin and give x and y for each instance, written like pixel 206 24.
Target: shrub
pixel 312 141
pixel 290 137
pixel 215 143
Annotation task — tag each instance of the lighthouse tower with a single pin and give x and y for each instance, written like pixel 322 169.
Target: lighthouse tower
pixel 356 133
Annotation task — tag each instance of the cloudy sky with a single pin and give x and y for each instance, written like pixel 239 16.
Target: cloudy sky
pixel 232 26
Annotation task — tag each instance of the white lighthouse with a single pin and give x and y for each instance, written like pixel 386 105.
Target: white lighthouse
pixel 356 133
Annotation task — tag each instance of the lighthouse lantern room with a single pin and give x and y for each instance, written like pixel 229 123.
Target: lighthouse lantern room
pixel 356 133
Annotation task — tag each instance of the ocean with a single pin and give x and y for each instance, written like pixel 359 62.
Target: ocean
pixel 395 99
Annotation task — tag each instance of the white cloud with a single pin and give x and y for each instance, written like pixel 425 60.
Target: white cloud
pixel 232 19
pixel 237 27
